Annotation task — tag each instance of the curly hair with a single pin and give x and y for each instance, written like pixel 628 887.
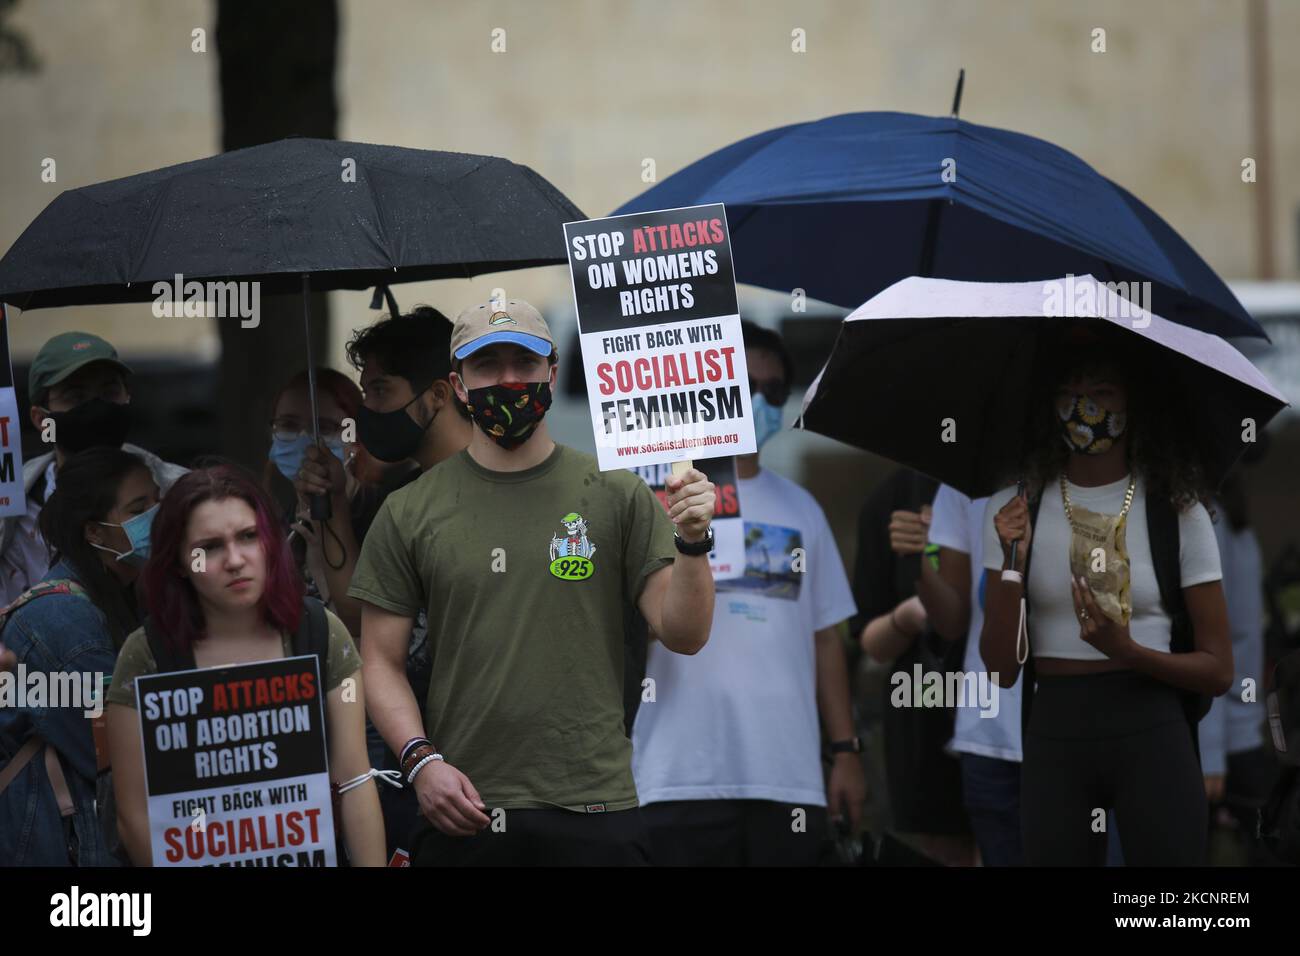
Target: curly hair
pixel 415 345
pixel 1162 445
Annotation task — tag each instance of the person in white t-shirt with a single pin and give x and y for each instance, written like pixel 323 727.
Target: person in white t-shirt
pixel 727 756
pixel 1116 682
pixel 986 732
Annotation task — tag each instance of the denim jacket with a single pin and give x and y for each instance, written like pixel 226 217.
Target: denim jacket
pixel 53 633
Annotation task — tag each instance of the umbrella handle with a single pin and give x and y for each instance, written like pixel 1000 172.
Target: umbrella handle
pixel 1015 577
pixel 320 507
pixel 1020 493
pixel 318 504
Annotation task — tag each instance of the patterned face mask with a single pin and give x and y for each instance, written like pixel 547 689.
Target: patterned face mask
pixel 1086 427
pixel 509 413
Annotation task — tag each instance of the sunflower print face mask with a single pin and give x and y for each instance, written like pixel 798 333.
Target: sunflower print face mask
pixel 508 413
pixel 1086 427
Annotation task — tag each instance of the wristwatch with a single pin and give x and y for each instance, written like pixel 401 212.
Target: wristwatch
pixel 851 746
pixel 697 548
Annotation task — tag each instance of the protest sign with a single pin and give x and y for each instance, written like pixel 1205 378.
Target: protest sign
pixel 659 327
pixel 13 497
pixel 236 767
pixel 727 559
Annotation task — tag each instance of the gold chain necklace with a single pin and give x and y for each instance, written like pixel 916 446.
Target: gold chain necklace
pixel 1128 499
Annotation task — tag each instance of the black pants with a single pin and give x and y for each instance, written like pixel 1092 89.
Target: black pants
pixel 737 833
pixel 1111 741
pixel 540 838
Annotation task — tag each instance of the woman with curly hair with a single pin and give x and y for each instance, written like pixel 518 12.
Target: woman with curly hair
pixel 1127 629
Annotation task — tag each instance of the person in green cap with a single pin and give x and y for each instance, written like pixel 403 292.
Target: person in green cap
pixel 80 399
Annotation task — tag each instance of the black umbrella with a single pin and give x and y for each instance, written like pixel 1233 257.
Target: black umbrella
pixel 298 214
pixel 939 375
pixel 352 215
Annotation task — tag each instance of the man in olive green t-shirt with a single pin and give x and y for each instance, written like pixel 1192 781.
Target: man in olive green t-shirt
pixel 524 555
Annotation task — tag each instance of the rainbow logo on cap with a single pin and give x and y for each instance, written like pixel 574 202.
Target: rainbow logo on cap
pixel 501 318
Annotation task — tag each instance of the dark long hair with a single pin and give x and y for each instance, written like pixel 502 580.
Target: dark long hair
pixel 1161 438
pixel 170 597
pixel 88 484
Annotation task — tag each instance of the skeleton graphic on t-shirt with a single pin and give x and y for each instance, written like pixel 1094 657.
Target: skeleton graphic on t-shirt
pixel 575 542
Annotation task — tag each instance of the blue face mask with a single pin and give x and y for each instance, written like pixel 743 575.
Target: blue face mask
pixel 137 532
pixel 767 419
pixel 288 455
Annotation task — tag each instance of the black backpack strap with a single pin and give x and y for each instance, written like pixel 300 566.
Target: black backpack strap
pixel 164 658
pixel 1163 532
pixel 313 635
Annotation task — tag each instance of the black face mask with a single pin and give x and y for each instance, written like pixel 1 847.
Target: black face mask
pixel 510 412
pixel 93 424
pixel 390 436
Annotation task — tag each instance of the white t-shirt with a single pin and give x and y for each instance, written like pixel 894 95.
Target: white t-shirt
pixel 1053 627
pixel 738 720
pixel 958 523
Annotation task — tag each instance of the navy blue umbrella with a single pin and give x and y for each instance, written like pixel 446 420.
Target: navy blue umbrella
pixel 845 206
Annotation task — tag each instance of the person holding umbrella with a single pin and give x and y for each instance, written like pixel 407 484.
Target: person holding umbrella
pixel 325 551
pixel 1118 420
pixel 1122 655
pixel 406 215
pixel 524 555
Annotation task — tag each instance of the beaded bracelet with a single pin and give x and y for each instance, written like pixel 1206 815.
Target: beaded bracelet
pixel 420 766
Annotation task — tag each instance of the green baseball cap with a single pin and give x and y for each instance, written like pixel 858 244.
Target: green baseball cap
pixel 63 355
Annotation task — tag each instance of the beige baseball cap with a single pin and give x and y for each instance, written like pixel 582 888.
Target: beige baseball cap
pixel 512 320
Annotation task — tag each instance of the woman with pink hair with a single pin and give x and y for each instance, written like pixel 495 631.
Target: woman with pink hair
pixel 242 603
